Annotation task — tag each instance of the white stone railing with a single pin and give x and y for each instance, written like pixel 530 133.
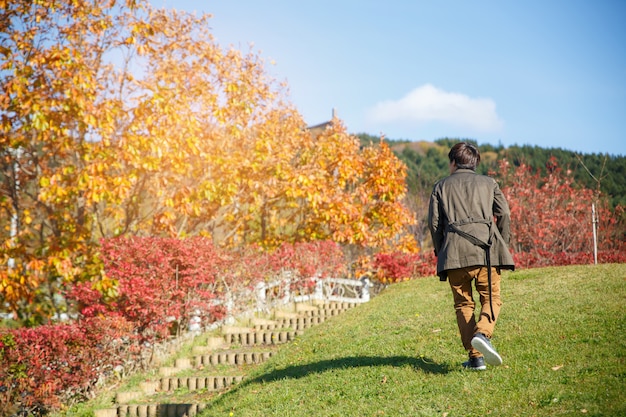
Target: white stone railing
pixel 271 294
pixel 267 295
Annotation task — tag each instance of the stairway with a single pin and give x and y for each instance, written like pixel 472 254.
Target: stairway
pixel 219 364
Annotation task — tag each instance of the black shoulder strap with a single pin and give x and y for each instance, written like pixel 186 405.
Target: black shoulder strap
pixel 454 227
pixel 484 245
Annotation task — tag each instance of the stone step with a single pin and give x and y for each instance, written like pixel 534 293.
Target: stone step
pixel 300 323
pixel 233 357
pixel 214 358
pixel 181 364
pixel 236 329
pixel 334 305
pixel 323 312
pixel 284 327
pixel 260 322
pixel 310 310
pixel 213 343
pixel 152 410
pixel 297 322
pixel 168 384
pixel 262 338
pixel 285 314
pixel 265 324
pixel 192 383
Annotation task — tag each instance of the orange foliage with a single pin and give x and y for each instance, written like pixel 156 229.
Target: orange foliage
pixel 121 119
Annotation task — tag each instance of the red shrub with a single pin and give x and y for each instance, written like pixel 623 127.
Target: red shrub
pixel 148 283
pixel 44 367
pixel 158 281
pixel 307 260
pixel 163 280
pixel 400 266
pixel 551 222
pixel 544 258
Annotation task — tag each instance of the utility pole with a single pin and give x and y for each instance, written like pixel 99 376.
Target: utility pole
pixel 594 223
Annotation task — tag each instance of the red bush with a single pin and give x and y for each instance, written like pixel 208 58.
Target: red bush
pixel 44 367
pixel 551 222
pixel 307 260
pixel 400 266
pixel 541 258
pixel 158 281
pixel 148 282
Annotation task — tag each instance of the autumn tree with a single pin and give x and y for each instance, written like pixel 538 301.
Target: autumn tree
pixel 353 195
pixel 216 149
pixel 52 164
pixel 120 119
pixel 551 214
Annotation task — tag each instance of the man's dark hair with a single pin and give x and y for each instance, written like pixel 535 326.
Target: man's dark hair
pixel 465 155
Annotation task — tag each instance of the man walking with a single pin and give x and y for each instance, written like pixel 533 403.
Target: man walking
pixel 469 222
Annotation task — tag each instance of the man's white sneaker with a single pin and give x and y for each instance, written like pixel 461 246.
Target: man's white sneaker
pixel 483 345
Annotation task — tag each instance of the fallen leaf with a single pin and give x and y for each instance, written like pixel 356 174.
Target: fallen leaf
pixel 556 368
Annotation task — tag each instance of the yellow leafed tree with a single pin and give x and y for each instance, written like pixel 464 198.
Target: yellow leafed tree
pixel 53 164
pixel 118 118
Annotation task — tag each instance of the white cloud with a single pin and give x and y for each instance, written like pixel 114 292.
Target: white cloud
pixel 430 104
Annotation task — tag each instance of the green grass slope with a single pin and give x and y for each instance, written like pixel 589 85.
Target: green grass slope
pixel 561 335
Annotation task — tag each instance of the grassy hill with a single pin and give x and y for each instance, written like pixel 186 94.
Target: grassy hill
pixel 560 333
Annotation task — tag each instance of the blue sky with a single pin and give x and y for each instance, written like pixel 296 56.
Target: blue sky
pixel 550 73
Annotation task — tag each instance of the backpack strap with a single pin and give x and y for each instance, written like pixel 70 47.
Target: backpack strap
pixel 454 228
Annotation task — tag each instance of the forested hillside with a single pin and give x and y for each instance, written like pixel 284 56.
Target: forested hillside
pixel 427 162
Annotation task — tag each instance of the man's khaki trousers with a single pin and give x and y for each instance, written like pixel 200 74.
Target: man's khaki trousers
pixel 461 284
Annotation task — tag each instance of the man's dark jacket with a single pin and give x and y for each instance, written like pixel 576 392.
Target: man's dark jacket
pixel 468 202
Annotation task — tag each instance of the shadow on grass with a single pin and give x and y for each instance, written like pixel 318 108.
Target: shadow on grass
pixel 423 364
pixel 299 371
